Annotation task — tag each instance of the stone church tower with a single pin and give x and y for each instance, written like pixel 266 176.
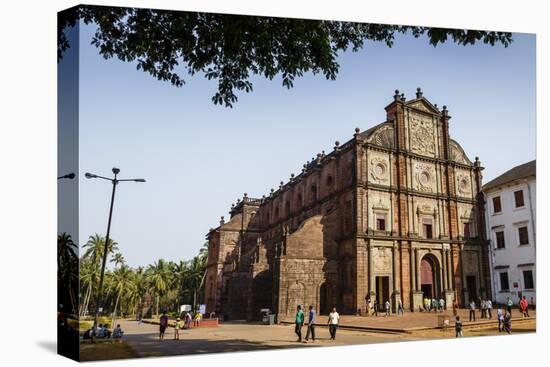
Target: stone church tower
pixel 391 214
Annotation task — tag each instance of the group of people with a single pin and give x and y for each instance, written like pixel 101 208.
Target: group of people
pixel 434 304
pixel 179 324
pixel 102 332
pixel 374 307
pixel 333 320
pixel 485 309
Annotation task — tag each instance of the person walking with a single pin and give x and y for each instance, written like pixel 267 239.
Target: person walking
pixel 455 308
pixel 426 304
pixel 483 309
pixel 163 323
pixel 489 305
pixel 472 310
pixel 435 304
pixel 311 324
pixel 375 312
pixel 441 304
pixel 500 317
pixel 399 307
pixel 523 306
pixel 187 322
pixel 299 322
pixel 509 305
pixel 388 308
pixel 367 303
pixel 177 327
pixel 508 323
pixel 458 327
pixel 333 320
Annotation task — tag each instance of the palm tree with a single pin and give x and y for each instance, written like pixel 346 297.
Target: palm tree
pixel 67 269
pixel 93 254
pixel 158 275
pixel 122 282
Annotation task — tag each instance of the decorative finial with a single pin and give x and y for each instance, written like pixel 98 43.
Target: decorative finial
pixel 403 99
pixel 357 131
pixel 245 194
pixel 396 95
pixel 418 92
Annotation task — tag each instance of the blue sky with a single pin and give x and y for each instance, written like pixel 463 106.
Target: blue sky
pixel 199 158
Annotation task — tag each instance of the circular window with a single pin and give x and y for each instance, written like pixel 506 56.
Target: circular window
pixel 380 170
pixel 424 178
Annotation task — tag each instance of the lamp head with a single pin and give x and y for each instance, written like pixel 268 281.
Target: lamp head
pixel 139 180
pixel 116 171
pixel 89 175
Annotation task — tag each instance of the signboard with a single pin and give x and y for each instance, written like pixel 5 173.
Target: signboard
pixel 202 309
pixel 185 308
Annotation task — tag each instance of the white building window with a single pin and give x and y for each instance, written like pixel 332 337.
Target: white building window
pixel 504 282
pixel 528 279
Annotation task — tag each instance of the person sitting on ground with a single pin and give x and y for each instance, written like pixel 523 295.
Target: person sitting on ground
pixel 99 332
pixel 117 332
pixel 106 331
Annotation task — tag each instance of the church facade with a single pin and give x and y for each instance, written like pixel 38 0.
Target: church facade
pixel 394 213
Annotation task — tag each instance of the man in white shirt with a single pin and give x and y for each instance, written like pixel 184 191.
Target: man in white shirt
pixel 333 319
pixel 489 305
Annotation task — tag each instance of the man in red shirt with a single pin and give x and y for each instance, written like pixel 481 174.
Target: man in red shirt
pixel 524 305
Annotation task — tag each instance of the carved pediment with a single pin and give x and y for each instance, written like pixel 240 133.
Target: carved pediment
pixel 422 134
pixel 423 105
pixel 383 136
pixel 457 154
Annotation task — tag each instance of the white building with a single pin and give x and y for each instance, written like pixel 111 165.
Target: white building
pixel 510 217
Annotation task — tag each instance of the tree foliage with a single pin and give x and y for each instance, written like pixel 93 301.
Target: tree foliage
pixel 231 48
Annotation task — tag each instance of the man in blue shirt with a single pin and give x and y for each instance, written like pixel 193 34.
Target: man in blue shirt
pixel 311 324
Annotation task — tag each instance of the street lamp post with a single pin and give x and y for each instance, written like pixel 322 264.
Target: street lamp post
pixel 69 176
pixel 115 182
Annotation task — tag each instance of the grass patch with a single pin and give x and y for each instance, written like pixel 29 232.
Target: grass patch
pixel 105 350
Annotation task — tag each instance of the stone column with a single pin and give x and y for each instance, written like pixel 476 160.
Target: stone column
pixel 450 269
pixel 371 271
pixel 416 293
pixel 396 290
pixel 445 284
pixel 413 269
pixel 418 272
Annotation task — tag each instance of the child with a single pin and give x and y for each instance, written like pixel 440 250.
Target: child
pixel 177 327
pixel 458 327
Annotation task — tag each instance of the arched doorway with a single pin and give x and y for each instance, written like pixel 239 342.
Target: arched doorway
pixel 323 300
pixel 429 277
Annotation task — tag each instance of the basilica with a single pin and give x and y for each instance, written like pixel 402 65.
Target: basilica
pixel 395 213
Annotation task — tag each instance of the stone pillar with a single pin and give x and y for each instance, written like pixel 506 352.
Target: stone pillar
pixel 449 293
pixel 418 272
pixel 372 288
pixel 450 270
pixel 396 291
pixel 444 265
pixel 465 295
pixel 416 293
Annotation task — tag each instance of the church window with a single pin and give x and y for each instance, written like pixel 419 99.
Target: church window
pixel 427 228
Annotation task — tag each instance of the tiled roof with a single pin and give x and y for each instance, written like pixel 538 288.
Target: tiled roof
pixel 516 173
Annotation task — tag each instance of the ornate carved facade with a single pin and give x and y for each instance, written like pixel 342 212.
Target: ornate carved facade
pixel 392 213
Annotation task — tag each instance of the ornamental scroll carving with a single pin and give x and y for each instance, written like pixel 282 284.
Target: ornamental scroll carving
pixel 422 135
pixel 463 183
pixel 379 170
pixel 383 136
pixel 424 177
pixel 457 154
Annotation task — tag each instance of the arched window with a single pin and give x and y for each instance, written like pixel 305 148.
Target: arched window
pixel 287 208
pixel 329 181
pixel 313 192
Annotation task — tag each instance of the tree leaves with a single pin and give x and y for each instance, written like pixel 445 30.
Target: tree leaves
pixel 232 48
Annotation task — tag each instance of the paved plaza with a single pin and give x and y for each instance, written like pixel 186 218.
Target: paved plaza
pixel 234 337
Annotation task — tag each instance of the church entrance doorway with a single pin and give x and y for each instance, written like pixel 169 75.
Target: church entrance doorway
pixel 382 290
pixel 429 281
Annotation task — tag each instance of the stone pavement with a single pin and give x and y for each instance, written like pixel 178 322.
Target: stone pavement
pixel 233 337
pixel 238 337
